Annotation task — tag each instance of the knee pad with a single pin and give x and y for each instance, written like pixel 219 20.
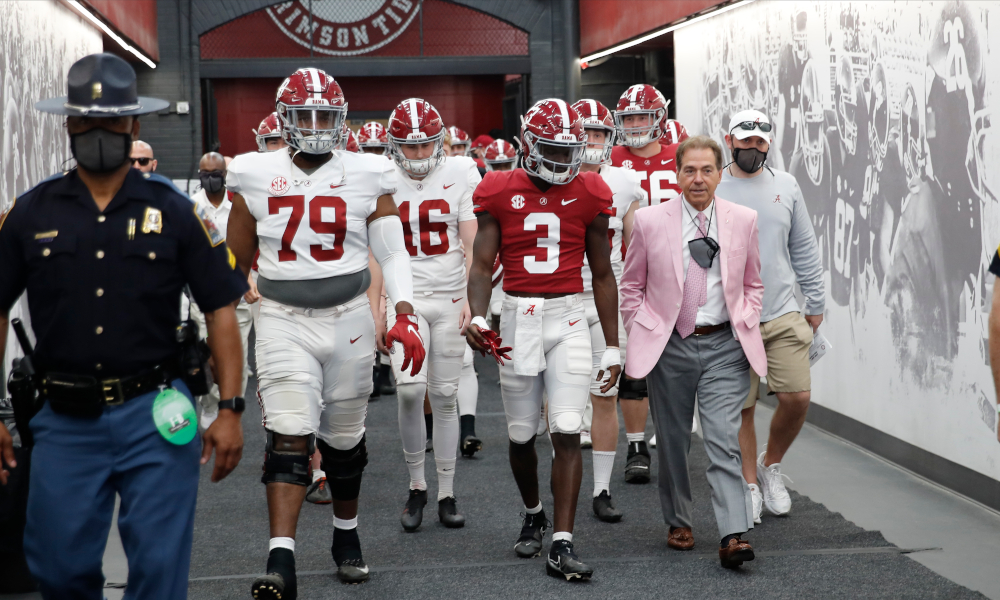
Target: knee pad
pixel 344 469
pixel 569 422
pixel 632 389
pixel 521 433
pixel 287 466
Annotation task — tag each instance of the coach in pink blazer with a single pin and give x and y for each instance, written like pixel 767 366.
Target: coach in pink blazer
pixel 691 300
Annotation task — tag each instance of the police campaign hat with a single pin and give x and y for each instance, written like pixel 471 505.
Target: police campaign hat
pixel 101 85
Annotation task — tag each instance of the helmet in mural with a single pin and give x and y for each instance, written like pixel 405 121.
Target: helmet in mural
pixel 500 152
pixel 674 132
pixel 911 142
pixel 269 128
pixel 312 110
pixel 638 100
pixel 812 122
pixel 555 126
pixel 732 71
pixel 847 105
pixel 416 121
pixel 712 101
pixel 460 138
pixel 878 112
pixel 372 138
pixel 800 33
pixel 595 115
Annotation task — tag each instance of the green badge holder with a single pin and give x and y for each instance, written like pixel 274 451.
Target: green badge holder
pixel 175 417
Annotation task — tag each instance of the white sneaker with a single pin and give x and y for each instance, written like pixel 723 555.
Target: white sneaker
pixel 585 440
pixel 758 502
pixel 776 497
pixel 652 442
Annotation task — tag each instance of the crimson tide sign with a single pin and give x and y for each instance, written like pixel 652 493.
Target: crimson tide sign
pixel 344 27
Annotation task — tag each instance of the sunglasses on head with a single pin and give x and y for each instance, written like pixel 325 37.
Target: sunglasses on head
pixel 751 125
pixel 144 161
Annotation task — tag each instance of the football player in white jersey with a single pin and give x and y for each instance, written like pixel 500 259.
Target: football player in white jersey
pixel 628 196
pixel 313 212
pixel 434 196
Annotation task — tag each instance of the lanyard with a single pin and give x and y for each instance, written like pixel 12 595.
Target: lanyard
pixel 696 226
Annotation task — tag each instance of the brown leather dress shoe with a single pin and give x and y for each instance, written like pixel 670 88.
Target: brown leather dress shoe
pixel 681 538
pixel 735 554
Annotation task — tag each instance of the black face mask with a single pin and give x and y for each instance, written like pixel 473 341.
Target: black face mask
pixel 100 150
pixel 750 160
pixel 212 182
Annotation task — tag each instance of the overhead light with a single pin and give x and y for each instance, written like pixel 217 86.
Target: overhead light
pixel 110 33
pixel 649 36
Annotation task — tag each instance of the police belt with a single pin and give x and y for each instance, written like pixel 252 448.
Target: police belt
pixel 83 395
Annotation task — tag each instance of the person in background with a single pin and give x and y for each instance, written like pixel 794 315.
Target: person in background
pixel 500 155
pixel 142 157
pixel 460 141
pixel 268 134
pixel 790 256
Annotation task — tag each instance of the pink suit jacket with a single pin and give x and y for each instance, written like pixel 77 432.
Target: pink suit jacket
pixel 652 285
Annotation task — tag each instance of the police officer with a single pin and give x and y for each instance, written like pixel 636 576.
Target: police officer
pixel 103 252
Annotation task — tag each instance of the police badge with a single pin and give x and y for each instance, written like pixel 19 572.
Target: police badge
pixel 152 221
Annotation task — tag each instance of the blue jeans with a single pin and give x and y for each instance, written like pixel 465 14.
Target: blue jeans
pixel 77 467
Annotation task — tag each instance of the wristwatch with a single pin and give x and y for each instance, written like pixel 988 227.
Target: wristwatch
pixel 236 404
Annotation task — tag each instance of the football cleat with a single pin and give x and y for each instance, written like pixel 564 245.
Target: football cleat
pixel 605 509
pixel 413 512
pixel 563 562
pixel 637 463
pixel 529 545
pixel 279 582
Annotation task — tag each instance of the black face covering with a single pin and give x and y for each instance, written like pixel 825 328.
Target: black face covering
pixel 750 160
pixel 212 182
pixel 100 150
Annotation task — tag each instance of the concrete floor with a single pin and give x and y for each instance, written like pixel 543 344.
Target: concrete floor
pixel 815 552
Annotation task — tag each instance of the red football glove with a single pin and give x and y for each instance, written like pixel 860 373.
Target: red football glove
pixel 405 332
pixel 493 347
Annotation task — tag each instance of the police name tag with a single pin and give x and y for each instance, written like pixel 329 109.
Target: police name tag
pixel 175 417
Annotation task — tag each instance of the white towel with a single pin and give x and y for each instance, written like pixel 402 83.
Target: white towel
pixel 529 356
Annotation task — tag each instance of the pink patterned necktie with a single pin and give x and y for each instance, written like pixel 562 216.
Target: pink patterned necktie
pixel 695 290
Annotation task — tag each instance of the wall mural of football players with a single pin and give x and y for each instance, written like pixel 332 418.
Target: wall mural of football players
pixel 882 113
pixel 50 38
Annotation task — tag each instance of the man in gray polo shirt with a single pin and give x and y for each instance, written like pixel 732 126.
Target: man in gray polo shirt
pixel 788 254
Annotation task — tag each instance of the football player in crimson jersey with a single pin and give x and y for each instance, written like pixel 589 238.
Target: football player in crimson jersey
pixel 314 212
pixel 434 198
pixel 639 119
pixel 542 219
pixel 628 195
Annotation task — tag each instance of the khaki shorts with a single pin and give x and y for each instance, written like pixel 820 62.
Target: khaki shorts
pixel 786 342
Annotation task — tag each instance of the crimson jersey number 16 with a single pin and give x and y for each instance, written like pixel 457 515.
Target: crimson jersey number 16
pixel 337 227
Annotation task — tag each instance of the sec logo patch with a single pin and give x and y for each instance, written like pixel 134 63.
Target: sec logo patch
pixel 279 185
pixel 627 164
pixel 517 201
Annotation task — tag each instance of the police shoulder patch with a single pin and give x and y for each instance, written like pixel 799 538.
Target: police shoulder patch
pixel 215 235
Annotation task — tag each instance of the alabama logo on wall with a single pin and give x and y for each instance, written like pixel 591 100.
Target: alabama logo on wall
pixel 344 27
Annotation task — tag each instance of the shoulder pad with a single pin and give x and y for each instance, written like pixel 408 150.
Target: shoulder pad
pixel 160 179
pixel 493 183
pixel 596 185
pixel 49 179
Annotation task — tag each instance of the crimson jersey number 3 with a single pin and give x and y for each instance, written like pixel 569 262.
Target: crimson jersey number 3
pixel 337 227
pixel 425 227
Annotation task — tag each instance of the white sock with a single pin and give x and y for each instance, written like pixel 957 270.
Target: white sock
pixel 345 523
pixel 446 477
pixel 415 465
pixel 604 464
pixel 281 542
pixel 562 535
pixel 533 511
pixel 318 474
pixel 636 437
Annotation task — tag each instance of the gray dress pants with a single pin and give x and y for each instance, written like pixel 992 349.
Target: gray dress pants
pixel 714 369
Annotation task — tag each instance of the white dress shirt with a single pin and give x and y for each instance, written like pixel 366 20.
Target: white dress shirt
pixel 714 311
pixel 220 214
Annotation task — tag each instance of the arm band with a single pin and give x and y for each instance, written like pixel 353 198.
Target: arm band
pixel 385 237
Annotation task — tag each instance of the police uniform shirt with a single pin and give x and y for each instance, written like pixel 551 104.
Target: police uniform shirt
pixel 103 288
